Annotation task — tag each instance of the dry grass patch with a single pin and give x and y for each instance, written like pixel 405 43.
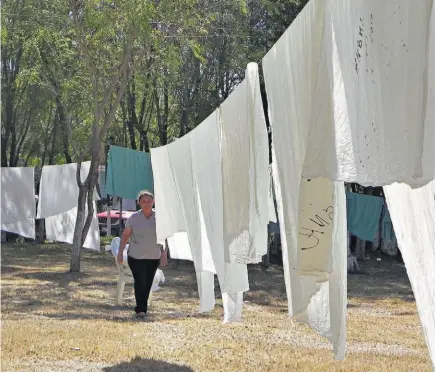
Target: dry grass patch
pixel 57 321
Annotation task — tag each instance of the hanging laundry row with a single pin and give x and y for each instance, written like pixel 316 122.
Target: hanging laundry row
pixel 57 202
pixel 213 184
pixel 340 110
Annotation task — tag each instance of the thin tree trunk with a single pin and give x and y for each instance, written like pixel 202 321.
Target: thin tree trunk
pixel 183 122
pixel 132 135
pixel 80 222
pixel 53 139
pixel 63 119
pixel 13 150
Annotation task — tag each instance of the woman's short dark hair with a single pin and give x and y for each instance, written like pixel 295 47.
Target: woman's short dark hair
pixel 143 193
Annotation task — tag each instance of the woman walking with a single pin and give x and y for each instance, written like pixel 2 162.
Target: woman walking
pixel 145 255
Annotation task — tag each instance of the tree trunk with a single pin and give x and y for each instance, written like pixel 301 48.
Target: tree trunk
pixel 78 229
pixel 85 210
pixel 132 135
pixel 13 150
pixel 183 122
pixel 64 124
pixel 145 145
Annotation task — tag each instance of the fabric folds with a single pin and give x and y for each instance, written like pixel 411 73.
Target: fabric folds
pixel 18 203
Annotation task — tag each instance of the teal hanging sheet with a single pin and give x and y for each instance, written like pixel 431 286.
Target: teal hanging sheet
pixel 128 172
pixel 363 214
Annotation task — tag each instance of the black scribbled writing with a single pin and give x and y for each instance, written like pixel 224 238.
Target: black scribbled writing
pixel 314 233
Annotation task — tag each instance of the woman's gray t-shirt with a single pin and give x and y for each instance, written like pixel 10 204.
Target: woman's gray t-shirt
pixel 143 240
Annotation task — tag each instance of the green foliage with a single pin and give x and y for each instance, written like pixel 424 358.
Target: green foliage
pixel 62 62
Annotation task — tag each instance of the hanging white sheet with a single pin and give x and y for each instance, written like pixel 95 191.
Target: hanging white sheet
pixel 58 190
pixel 206 166
pixel 178 214
pixel 412 212
pixel 290 70
pixel 179 246
pixel 18 204
pixel 316 212
pixel 245 178
pixel 379 76
pixel 429 124
pixel 326 279
pixel 346 87
pixel 169 214
pixel 180 159
pixel 61 228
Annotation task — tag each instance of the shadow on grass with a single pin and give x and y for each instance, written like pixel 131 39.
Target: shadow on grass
pixel 147 365
pixel 385 279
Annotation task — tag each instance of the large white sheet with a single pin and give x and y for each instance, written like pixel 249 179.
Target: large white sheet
pixel 177 212
pixel 290 77
pixel 245 178
pixel 206 165
pixel 180 159
pixel 169 214
pixel 412 212
pixel 429 103
pixel 17 194
pixel 376 54
pixel 316 212
pixel 18 205
pixel 348 100
pixel 58 190
pixel 327 283
pixel 61 228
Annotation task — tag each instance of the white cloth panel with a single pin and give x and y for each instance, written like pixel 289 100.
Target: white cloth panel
pixel 355 91
pixel 429 125
pixel 24 228
pixel 206 162
pixel 169 214
pixel 377 76
pixel 259 167
pixel 180 159
pixel 58 189
pixel 412 212
pixel 235 178
pixel 244 152
pixel 178 214
pixel 61 228
pixel 17 194
pixel 290 77
pixel 326 311
pixel 233 307
pixel 207 298
pixel 179 246
pixel 316 213
pixel 18 204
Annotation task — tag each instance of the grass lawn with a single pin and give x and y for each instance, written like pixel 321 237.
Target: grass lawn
pixel 53 320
